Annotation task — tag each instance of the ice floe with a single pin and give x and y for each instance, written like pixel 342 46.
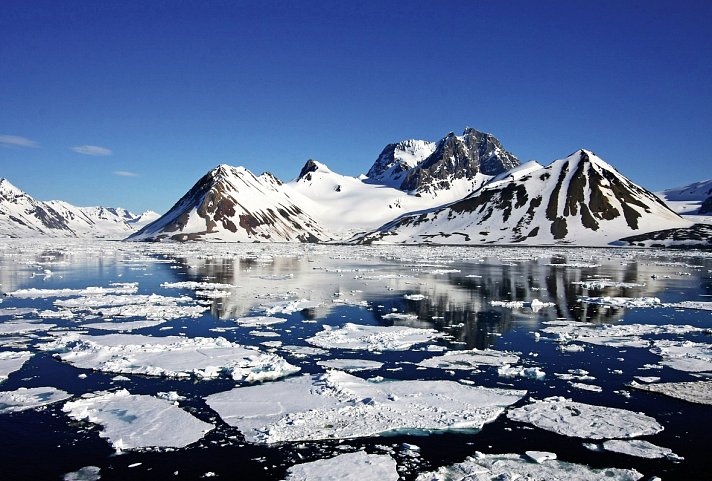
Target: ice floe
pixel 636 447
pixel 124 326
pixel 472 359
pixel 171 356
pixel 285 307
pixel 575 419
pixel 87 473
pixel 496 467
pixel 627 302
pixel 23 327
pixel 116 288
pixel 337 405
pixel 131 421
pixel 692 391
pixel 603 284
pixel 372 338
pixel 535 304
pixel 257 321
pixel 684 355
pixel 11 361
pixel 350 365
pixel 521 371
pixel 358 466
pixel 30 398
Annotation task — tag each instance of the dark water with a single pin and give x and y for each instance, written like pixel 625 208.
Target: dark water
pixel 45 443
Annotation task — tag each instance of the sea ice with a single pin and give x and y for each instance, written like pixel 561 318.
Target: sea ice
pixel 350 365
pixel 29 398
pixel 132 421
pixel 692 391
pixel 257 321
pixel 116 288
pixel 626 302
pixel 471 359
pixel 22 327
pixel 372 338
pixel 639 448
pixel 521 371
pixel 575 419
pixel 286 307
pixel 602 284
pixel 337 405
pixel 619 335
pixel 87 473
pixel 170 356
pixel 540 456
pixel 535 305
pixel 684 355
pixel 11 361
pixel 122 326
pixel 506 467
pixel 357 466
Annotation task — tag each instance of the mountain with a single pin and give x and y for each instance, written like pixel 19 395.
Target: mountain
pixel 23 216
pixel 397 160
pixel 689 198
pixel 232 204
pixel 706 206
pixel 579 200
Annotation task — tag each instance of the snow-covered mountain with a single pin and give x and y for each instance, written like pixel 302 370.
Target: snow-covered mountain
pixel 232 204
pixel 580 199
pixel 23 216
pixel 688 199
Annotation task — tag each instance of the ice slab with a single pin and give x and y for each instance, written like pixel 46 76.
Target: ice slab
pixel 358 466
pixel 372 338
pixel 257 321
pixel 580 420
pixel 693 391
pixel 11 361
pixel 23 327
pixel 540 456
pixel 684 355
pixel 171 356
pixel 603 284
pixel 620 335
pixel 350 365
pixel 30 398
pixel 116 288
pixel 467 360
pixel 337 405
pixel 627 302
pixel 87 473
pixel 195 285
pixel 131 421
pixel 496 467
pixel 535 304
pixel 521 371
pixel 639 448
pixel 122 326
pixel 286 307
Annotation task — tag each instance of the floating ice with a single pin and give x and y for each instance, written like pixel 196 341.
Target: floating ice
pixel 304 351
pixel 684 355
pixel 372 338
pixel 400 316
pixel 603 284
pixel 626 302
pixel 122 326
pixel 11 361
pixel 16 311
pixel 29 398
pixel 87 473
pixel 171 356
pixel 414 297
pixel 88 302
pixel 195 286
pixel 286 307
pixel 350 365
pixel 23 327
pixel 471 359
pixel 540 456
pixel 620 335
pixel 639 448
pixel 535 305
pixel 586 387
pixel 257 321
pixel 697 305
pixel 357 466
pixel 337 405
pixel 693 391
pixel 491 467
pixel 521 371
pixel 116 288
pixel 132 421
pixel 575 419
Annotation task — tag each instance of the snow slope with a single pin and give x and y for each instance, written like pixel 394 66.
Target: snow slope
pixel 688 199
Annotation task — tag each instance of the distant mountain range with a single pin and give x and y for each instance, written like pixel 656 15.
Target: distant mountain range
pixel 23 216
pixel 463 189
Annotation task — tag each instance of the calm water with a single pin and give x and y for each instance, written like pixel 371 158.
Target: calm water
pixel 458 285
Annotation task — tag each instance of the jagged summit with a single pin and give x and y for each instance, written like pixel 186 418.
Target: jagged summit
pixel 311 166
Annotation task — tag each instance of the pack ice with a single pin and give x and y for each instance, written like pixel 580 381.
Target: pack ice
pixel 337 405
pixel 11 361
pixel 357 466
pixel 29 398
pixel 131 421
pixel 466 360
pixel 372 338
pixel 692 391
pixel 170 356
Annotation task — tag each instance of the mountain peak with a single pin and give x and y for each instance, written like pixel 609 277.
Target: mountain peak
pixel 312 166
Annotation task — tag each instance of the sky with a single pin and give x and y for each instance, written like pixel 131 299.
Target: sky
pixel 129 103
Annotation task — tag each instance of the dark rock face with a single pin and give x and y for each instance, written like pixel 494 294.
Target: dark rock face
pixel 699 235
pixel 456 157
pixel 310 166
pixel 706 207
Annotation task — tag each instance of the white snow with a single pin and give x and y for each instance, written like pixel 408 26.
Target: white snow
pixel 132 421
pixel 575 419
pixel 627 302
pixel 372 338
pixel 286 307
pixel 30 398
pixel 357 466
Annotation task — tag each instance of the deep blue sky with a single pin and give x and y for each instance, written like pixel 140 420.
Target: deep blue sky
pixel 174 88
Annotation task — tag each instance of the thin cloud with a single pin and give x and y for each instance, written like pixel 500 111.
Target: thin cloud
pixel 17 141
pixel 92 150
pixel 125 173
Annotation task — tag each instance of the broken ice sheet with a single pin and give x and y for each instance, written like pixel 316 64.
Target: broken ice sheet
pixel 535 304
pixel 258 321
pixel 23 327
pixel 152 307
pixel 337 405
pixel 29 398
pixel 569 418
pixel 638 448
pixel 87 473
pixel 123 325
pixel 694 391
pixel 372 338
pixel 11 361
pixel 170 356
pixel 684 355
pixel 490 467
pixel 627 302
pixel 350 365
pixel 358 466
pixel 467 360
pixel 132 421
pixel 116 288
pixel 285 307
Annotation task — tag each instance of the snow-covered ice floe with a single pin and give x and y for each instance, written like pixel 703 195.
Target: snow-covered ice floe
pixel 131 421
pixel 372 338
pixel 627 302
pixel 30 398
pixel 684 355
pixel 467 360
pixel 23 327
pixel 350 365
pixel 87 473
pixel 535 304
pixel 123 326
pixel 491 467
pixel 604 283
pixel 569 418
pixel 521 371
pixel 171 356
pixel 635 447
pixel 11 361
pixel 116 288
pixel 285 307
pixel 693 391
pixel 358 466
pixel 258 321
pixel 337 405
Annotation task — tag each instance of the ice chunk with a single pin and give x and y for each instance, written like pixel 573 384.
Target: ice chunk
pixel 372 338
pixel 11 361
pixel 521 371
pixel 357 466
pixel 575 419
pixel 350 365
pixel 257 321
pixel 414 297
pixel 535 305
pixel 132 421
pixel 116 288
pixel 586 387
pixel 684 355
pixel 471 359
pixel 23 327
pixel 337 405
pixel 603 284
pixel 87 473
pixel 505 467
pixel 194 285
pixel 621 335
pixel 693 391
pixel 304 351
pixel 122 326
pixel 540 456
pixel 29 398
pixel 639 448
pixel 170 356
pixel 626 302
pixel 286 307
